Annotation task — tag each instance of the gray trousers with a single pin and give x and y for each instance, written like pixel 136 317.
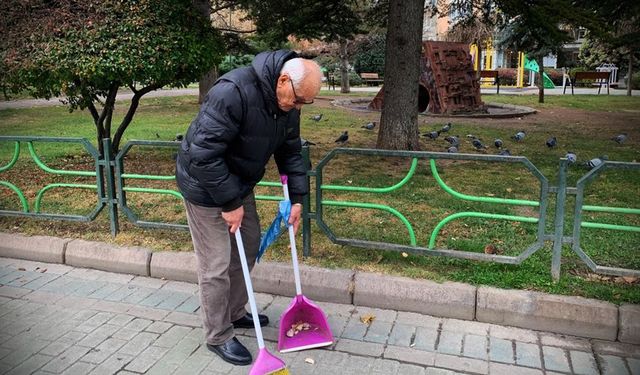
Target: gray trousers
pixel 223 294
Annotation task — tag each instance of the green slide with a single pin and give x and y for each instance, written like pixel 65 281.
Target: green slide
pixel 533 66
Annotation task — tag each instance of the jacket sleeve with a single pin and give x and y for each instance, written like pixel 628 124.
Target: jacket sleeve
pixel 218 124
pixel 289 160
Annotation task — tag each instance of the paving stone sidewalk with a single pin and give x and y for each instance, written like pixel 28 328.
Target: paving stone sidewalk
pixel 59 319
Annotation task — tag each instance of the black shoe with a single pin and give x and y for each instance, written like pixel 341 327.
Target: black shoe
pixel 247 321
pixel 232 351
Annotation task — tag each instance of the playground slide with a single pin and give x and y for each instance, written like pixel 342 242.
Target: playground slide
pixel 533 66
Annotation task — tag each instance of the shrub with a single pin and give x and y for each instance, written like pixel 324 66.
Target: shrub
pixel 635 81
pixel 555 75
pixel 230 62
pixel 369 56
pixel 508 76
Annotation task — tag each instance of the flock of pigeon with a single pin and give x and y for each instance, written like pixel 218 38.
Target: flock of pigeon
pixel 552 142
pixel 454 142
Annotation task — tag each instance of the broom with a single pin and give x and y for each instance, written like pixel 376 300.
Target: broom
pixel 265 363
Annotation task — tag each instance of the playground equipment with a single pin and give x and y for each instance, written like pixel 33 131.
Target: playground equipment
pixel 485 61
pixel 533 66
pixel 447 84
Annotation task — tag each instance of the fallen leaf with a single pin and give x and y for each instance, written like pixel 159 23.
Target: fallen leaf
pixel 404 255
pixel 310 361
pixel 630 279
pixel 509 190
pixel 43 270
pixel 491 249
pixel 21 269
pixel 367 318
pixel 291 332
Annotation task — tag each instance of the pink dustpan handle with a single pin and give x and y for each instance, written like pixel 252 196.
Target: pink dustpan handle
pixel 292 239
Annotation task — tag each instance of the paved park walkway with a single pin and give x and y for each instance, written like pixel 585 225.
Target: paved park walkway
pixel 28 103
pixel 60 319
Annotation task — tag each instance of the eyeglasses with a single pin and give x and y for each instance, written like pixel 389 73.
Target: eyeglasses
pixel 298 99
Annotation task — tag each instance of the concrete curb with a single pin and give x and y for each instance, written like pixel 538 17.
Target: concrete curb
pixel 539 311
pixel 174 266
pixel 575 316
pixel 102 256
pixel 451 300
pixel 321 284
pixel 38 248
pixel 629 324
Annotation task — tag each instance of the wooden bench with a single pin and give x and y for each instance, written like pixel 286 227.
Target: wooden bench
pixel 371 78
pixel 492 74
pixel 600 78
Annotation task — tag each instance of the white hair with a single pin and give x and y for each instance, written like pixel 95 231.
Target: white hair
pixel 297 71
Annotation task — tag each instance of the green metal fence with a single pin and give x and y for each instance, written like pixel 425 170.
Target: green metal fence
pixel 111 184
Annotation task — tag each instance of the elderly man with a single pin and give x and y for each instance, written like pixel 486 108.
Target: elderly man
pixel 248 115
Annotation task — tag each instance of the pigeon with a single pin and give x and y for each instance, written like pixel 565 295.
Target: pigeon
pixel 505 152
pixel 552 142
pixel 432 135
pixel 343 137
pixel 446 128
pixel 498 143
pixel 452 149
pixel 620 138
pixel 478 145
pixel 317 118
pixel 595 162
pixel 571 156
pixel 519 136
pixel 179 137
pixel 306 143
pixel 369 126
pixel 453 140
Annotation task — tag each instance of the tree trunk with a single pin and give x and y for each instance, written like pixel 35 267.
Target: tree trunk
pixel 208 79
pixel 399 119
pixel 540 60
pixel 630 80
pixel 344 66
pixel 206 82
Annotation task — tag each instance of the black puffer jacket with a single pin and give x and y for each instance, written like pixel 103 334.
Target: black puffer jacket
pixel 239 126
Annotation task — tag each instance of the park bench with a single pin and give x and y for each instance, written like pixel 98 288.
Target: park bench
pixel 371 78
pixel 492 74
pixel 600 78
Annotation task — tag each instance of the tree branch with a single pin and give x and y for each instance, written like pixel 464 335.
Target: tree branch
pixel 236 31
pixel 132 88
pixel 222 6
pixel 135 101
pixel 110 103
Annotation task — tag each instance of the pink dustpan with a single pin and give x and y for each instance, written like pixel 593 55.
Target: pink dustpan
pixel 316 334
pixel 301 312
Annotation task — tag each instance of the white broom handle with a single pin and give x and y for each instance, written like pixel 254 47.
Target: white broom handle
pixel 292 240
pixel 247 281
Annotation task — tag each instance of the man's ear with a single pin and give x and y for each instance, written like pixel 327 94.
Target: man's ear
pixel 282 79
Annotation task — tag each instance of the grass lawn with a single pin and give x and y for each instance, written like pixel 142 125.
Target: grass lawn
pixel 573 120
pixel 599 103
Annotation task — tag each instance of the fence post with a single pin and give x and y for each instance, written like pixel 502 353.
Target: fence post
pixel 108 170
pixel 306 206
pixel 561 196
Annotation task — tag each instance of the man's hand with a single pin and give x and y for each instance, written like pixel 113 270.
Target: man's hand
pixel 234 218
pixel 294 216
